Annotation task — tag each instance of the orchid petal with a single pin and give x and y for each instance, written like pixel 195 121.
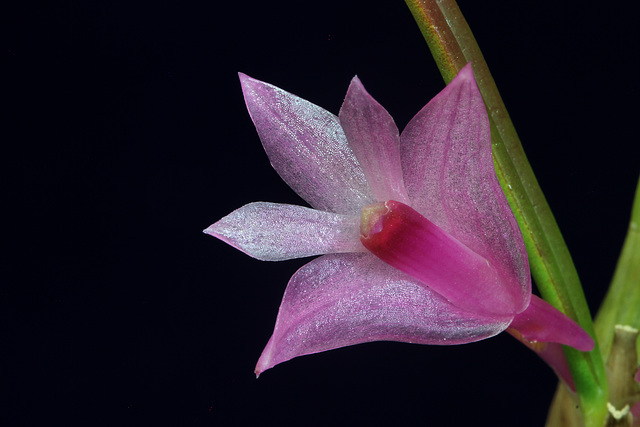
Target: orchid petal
pixel 345 299
pixel 373 136
pixel 450 177
pixel 275 232
pixel 307 147
pixel 541 322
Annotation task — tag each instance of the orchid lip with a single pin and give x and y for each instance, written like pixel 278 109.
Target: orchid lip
pixel 406 240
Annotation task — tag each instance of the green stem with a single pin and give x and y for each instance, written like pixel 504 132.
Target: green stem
pixel 453 45
pixel 621 305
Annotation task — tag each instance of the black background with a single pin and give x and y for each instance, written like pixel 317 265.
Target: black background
pixel 127 135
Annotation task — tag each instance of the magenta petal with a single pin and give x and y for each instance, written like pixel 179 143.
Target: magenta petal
pixel 307 147
pixel 450 178
pixel 340 300
pixel 541 322
pixel 275 232
pixel 373 136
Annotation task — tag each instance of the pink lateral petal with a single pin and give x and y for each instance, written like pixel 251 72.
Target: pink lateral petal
pixel 541 322
pixel 275 232
pixel 404 239
pixel 373 136
pixel 450 178
pixel 307 147
pixel 346 299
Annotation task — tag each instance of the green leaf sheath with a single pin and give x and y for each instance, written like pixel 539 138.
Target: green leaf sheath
pixel 621 305
pixel 453 45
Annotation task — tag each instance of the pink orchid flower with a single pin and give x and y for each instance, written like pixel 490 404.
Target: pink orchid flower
pixel 418 242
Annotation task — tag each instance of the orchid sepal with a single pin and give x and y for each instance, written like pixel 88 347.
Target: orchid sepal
pixel 347 299
pixel 277 232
